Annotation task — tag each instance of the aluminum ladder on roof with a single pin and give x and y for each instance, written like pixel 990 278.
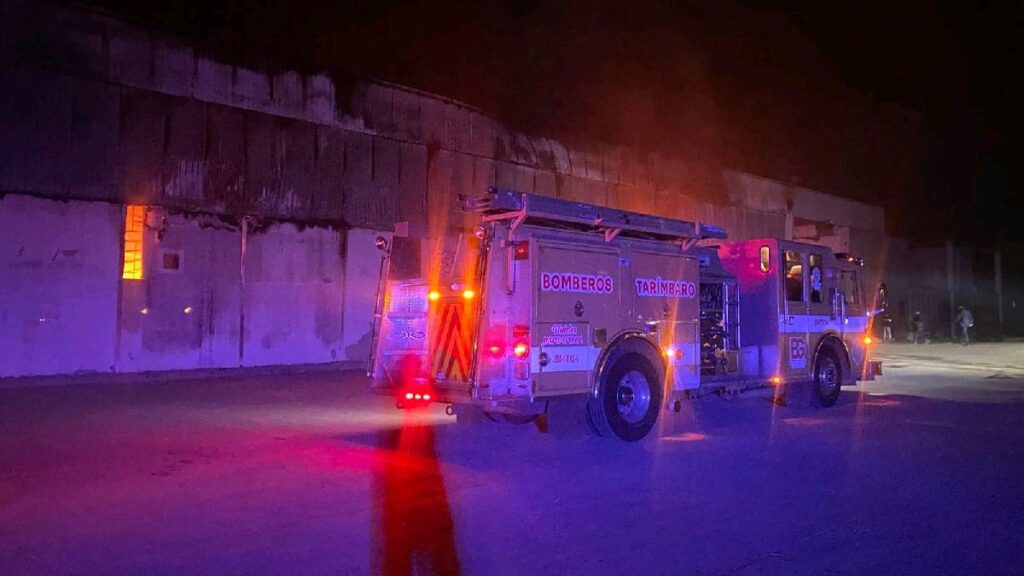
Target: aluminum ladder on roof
pixel 519 206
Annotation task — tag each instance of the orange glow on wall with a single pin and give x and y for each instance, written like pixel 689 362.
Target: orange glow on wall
pixel 134 223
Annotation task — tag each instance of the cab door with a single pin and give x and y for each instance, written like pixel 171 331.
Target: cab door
pixel 794 321
pixel 821 287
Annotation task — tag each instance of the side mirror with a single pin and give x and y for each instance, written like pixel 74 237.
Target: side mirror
pixel 382 243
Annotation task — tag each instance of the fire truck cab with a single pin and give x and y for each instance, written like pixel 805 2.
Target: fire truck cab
pixel 627 313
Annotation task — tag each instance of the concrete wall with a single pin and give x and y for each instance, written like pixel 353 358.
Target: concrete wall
pixel 97 113
pixel 305 296
pixel 58 285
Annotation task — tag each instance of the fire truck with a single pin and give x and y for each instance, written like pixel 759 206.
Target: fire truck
pixel 617 314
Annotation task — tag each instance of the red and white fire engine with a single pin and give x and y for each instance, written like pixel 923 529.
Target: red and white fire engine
pixel 626 313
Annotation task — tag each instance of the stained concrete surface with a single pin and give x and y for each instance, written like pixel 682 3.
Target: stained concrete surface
pixel 308 474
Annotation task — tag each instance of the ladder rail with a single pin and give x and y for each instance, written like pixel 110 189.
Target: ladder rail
pixel 499 204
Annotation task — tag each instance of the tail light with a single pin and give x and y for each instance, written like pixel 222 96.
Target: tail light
pixel 521 339
pixel 521 350
pixel 522 250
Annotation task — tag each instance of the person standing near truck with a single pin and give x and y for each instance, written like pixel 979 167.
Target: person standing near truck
pixel 917 327
pixel 965 320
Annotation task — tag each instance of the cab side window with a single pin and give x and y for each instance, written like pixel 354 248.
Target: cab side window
pixel 794 277
pixel 817 278
pixel 849 286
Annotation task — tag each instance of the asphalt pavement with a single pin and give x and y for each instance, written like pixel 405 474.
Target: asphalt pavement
pixel 919 472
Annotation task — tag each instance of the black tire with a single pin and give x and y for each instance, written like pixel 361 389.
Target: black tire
pixel 828 379
pixel 628 400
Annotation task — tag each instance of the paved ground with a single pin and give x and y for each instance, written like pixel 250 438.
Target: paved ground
pixel 918 473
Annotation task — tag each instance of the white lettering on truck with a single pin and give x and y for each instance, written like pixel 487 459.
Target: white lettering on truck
pixel 570 282
pixel 666 288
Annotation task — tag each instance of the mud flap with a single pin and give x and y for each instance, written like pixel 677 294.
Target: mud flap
pixel 874 368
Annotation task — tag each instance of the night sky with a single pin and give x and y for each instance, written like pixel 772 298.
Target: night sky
pixel 911 104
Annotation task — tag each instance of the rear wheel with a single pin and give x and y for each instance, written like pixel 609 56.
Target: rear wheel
pixel 628 399
pixel 828 375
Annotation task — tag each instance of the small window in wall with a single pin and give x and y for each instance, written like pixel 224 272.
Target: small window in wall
pixel 766 258
pixel 134 226
pixel 170 261
pixel 794 277
pixel 817 277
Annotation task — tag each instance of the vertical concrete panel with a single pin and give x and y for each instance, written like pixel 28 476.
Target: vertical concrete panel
pixel 287 94
pixel 458 128
pixel 358 157
pixel 367 203
pixel 58 276
pixel 439 185
pixel 184 312
pixel 297 170
pixel 319 99
pixel 251 89
pixel 174 67
pixel 433 121
pixel 82 35
pixel 482 130
pixel 505 175
pixel 577 162
pixel 412 196
pixel 561 157
pixel 329 178
pixel 406 116
pixel 35 123
pixel 464 173
pixel 293 302
pixel 485 173
pixel 545 155
pixel 131 56
pixel 545 183
pixel 213 81
pixel 379 109
pixel 612 156
pixel 504 144
pixel 263 159
pixel 184 161
pixel 524 180
pixel 595 165
pixel 140 144
pixel 225 159
pixel 362 270
pixel 90 171
pixel 385 162
pixel 524 150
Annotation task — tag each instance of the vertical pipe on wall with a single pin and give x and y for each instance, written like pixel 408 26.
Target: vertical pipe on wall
pixel 241 290
pixel 118 313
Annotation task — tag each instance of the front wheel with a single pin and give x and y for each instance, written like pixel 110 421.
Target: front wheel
pixel 628 399
pixel 828 375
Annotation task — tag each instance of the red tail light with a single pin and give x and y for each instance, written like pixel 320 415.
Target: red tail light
pixel 521 337
pixel 522 250
pixel 521 350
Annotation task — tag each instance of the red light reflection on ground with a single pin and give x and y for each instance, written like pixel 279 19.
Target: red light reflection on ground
pixel 414 529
